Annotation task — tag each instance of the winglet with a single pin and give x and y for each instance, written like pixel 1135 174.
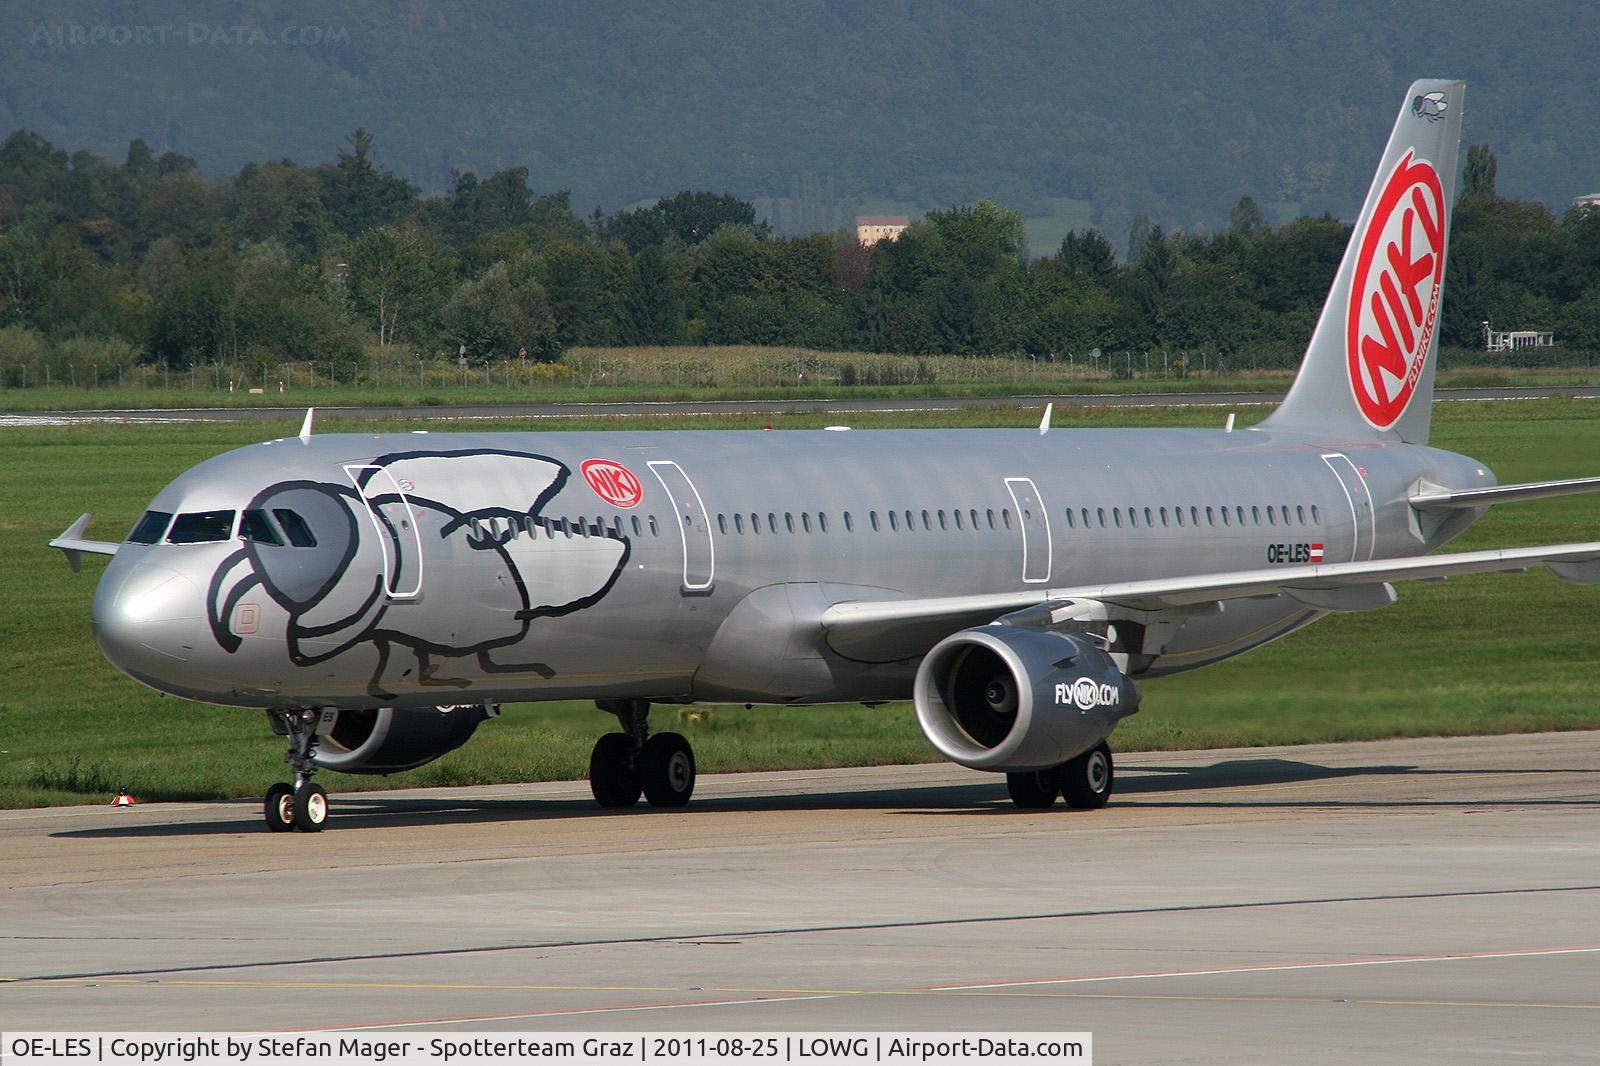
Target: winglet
pixel 73 545
pixel 1044 423
pixel 305 427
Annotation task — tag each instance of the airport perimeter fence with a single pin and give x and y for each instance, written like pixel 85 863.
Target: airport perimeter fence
pixel 714 368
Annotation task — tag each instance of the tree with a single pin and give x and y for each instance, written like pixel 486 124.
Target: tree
pixel 396 280
pixel 1245 220
pixel 502 312
pixel 359 196
pixel 1477 176
pixel 1088 255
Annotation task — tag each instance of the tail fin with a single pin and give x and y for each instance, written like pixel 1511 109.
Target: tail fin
pixel 1368 372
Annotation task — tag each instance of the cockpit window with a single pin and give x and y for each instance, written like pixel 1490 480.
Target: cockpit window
pixel 150 527
pixel 295 528
pixel 201 527
pixel 255 525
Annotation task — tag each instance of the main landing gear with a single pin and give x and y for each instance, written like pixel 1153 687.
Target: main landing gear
pixel 302 805
pixel 630 762
pixel 1085 782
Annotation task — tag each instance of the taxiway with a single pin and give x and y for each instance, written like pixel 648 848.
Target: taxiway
pixel 1399 901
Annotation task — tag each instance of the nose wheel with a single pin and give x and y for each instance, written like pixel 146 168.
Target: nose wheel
pixel 630 763
pixel 302 805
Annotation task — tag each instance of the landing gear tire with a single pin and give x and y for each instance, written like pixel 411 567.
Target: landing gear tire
pixel 1033 790
pixel 666 770
pixel 280 808
pixel 1086 781
pixel 310 808
pixel 613 777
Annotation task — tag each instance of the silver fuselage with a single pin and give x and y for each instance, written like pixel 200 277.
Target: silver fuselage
pixel 487 567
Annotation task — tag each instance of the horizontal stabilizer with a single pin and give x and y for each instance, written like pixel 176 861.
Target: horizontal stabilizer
pixel 71 542
pixel 1533 490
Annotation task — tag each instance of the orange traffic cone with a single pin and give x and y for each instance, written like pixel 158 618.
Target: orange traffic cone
pixel 123 799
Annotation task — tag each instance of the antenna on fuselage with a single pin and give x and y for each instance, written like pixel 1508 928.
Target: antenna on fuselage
pixel 1044 423
pixel 305 427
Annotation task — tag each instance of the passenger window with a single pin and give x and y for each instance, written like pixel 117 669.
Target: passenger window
pixel 1255 515
pixel 957 515
pixel 1116 516
pixel 973 514
pixel 294 528
pixel 872 516
pixel 849 526
pixel 772 521
pixel 788 520
pixel 150 527
pixel 722 524
pixel 1133 517
pixel 1084 511
pixel 1227 517
pixel 991 518
pixel 1005 516
pixel 911 523
pixel 254 526
pixel 1177 512
pixel 738 523
pixel 1147 520
pixel 655 530
pixel 1194 515
pixel 1100 512
pixel 1069 518
pixel 1300 513
pixel 1316 515
pixel 805 520
pixel 941 521
pixel 822 521
pixel 638 530
pixel 925 523
pixel 1272 519
pixel 894 522
pixel 1239 513
pixel 1285 509
pixel 201 527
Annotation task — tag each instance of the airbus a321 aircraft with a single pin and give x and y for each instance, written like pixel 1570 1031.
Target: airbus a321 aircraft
pixel 381 596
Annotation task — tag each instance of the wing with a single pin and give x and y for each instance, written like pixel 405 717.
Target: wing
pixel 71 543
pixel 869 629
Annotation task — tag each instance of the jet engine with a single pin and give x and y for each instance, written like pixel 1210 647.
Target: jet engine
pixel 389 739
pixel 1010 699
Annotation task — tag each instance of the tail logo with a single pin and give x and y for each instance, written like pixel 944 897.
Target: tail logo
pixel 1394 294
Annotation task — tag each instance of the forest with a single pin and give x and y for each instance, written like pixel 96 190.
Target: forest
pixel 109 264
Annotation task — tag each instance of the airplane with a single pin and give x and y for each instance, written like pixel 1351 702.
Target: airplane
pixel 381 595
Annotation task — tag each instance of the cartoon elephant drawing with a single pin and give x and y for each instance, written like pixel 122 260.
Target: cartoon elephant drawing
pixel 447 554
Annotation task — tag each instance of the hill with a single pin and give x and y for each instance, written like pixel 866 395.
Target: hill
pixel 1083 113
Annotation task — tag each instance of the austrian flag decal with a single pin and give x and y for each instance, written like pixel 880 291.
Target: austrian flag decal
pixel 1394 293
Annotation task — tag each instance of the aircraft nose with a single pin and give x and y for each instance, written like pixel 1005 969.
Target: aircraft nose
pixel 147 617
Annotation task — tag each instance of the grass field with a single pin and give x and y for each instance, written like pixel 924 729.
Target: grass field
pixel 1473 655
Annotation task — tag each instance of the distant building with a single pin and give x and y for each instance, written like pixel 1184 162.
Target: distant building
pixel 1509 340
pixel 1588 202
pixel 870 229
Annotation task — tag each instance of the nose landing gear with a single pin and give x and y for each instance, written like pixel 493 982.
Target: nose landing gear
pixel 303 805
pixel 631 762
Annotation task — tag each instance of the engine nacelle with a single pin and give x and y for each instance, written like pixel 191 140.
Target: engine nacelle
pixel 1009 699
pixel 388 740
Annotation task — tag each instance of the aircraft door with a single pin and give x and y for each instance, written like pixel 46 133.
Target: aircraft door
pixel 694 525
pixel 1035 521
pixel 394 522
pixel 1361 510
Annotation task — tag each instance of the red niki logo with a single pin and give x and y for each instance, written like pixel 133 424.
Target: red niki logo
pixel 613 482
pixel 1394 296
